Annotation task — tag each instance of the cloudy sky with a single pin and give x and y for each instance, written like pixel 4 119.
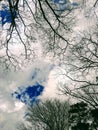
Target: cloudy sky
pixel 40 76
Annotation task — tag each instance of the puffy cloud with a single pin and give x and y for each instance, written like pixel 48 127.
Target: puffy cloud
pixel 26 85
pixel 9 120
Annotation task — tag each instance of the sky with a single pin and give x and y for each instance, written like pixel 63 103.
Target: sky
pixel 23 88
pixel 36 80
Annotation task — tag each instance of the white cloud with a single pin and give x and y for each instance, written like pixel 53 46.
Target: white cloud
pixel 9 120
pixel 11 109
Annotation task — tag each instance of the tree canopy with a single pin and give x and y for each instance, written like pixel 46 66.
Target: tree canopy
pixel 81 117
pixel 48 115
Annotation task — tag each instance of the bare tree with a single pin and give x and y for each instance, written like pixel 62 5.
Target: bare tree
pixel 83 71
pixel 49 21
pixel 95 3
pixel 49 115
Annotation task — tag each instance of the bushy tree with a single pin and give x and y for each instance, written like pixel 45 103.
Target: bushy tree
pixel 82 117
pixel 48 115
pixel 78 116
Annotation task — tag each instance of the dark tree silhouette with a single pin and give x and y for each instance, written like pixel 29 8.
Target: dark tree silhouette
pixel 81 117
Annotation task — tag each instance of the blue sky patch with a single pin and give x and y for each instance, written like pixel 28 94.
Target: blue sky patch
pixel 29 95
pixel 60 1
pixel 5 15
